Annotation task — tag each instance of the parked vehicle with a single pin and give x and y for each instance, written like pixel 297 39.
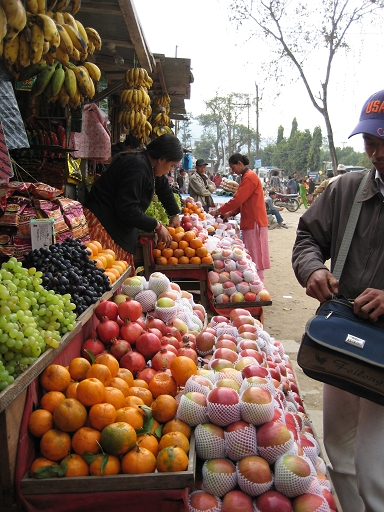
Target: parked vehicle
pixel 288 201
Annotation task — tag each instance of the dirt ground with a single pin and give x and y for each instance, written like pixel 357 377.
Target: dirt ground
pixel 285 319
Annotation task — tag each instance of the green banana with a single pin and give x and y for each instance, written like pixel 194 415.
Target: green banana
pixel 43 80
pixel 32 70
pixel 57 79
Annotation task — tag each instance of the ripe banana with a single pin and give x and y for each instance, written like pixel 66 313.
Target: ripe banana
pixel 76 55
pixel 41 6
pixel 69 20
pixel 76 38
pixel 70 82
pixel 57 80
pixel 81 31
pixel 32 70
pixel 63 97
pixel 59 18
pixel 49 28
pixel 37 43
pixel 3 24
pixel 11 51
pixel 62 57
pixel 66 44
pixel 91 47
pixel 23 56
pixel 93 70
pixel 83 79
pixel 76 4
pixel 16 17
pixel 94 37
pixel 42 80
pixel 32 6
pixel 61 5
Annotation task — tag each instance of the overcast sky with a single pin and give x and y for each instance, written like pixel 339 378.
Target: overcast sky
pixel 223 61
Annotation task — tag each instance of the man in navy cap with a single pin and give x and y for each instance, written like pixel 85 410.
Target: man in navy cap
pixel 353 426
pixel 200 186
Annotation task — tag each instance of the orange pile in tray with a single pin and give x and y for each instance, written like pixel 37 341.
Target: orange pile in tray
pixel 191 207
pixel 106 258
pixel 186 248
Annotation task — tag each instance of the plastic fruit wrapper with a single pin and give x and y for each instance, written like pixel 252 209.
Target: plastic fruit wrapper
pixel 218 484
pixel 147 299
pixel 223 415
pixel 194 495
pixel 132 290
pixel 235 375
pixel 226 329
pixel 208 444
pixel 272 453
pixel 268 385
pixel 241 443
pixel 252 488
pixel 192 385
pixel 191 413
pixel 289 483
pixel 159 283
pixel 257 414
pixel 166 314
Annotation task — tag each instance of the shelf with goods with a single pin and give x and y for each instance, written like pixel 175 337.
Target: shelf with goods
pixel 13 398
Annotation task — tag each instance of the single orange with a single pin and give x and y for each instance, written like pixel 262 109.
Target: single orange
pixel 207 259
pixel 162 384
pixel 114 396
pixel 189 252
pixel 156 253
pixel 138 461
pixel 179 229
pixel 150 442
pixel 90 391
pixel 183 244
pixel 114 271
pixel 55 377
pixel 173 261
pixel 184 260
pixel 120 384
pixel 132 415
pixel 78 368
pixel 102 259
pixel 97 244
pixel 105 464
pixel 178 253
pixel 164 408
pixel 55 444
pixel 118 438
pixel 174 439
pixel 94 250
pixel 39 422
pixel 126 375
pixel 171 459
pixel 111 277
pixel 142 393
pixel 69 415
pixel 40 462
pixel 86 439
pixel 110 361
pixel 196 243
pixel 167 252
pixel 182 368
pixel 177 237
pixel 161 261
pixel 174 245
pixel 177 425
pixel 188 236
pixel 140 383
pixel 51 399
pixel 195 260
pixel 71 390
pixel 133 401
pixel 202 252
pixel 101 415
pixel 76 465
pixel 101 372
pixel 171 230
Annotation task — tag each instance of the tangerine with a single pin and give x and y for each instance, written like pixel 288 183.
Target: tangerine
pixel 110 361
pixel 138 461
pixel 189 252
pixel 164 408
pixel 184 260
pixel 105 464
pixel 142 393
pixel 196 243
pixel 171 459
pixel 188 236
pixel 174 245
pixel 98 244
pixel 167 252
pixel 51 399
pixel 140 383
pixel 150 442
pixel 55 444
pixel 76 465
pixel 132 415
pixel 174 439
pixel 41 462
pixel 101 415
pixel 126 375
pixel 120 384
pixel 78 368
pixel 162 383
pixel 101 372
pixel 161 261
pixel 55 377
pixel 92 248
pixel 114 396
pixel 156 253
pixel 133 401
pixel 183 244
pixel 69 415
pixel 86 439
pixel 90 391
pixel 39 422
pixel 118 438
pixel 111 277
pixel 173 261
pixel 195 260
pixel 71 391
pixel 171 230
pixel 177 425
pixel 182 368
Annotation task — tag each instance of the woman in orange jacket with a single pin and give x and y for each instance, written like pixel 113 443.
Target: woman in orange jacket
pixel 249 202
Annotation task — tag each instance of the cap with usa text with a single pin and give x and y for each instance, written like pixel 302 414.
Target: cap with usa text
pixel 372 116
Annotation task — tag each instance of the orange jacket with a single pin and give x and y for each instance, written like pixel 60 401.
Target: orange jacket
pixel 248 201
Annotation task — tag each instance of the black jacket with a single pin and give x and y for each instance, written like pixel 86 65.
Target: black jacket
pixel 123 193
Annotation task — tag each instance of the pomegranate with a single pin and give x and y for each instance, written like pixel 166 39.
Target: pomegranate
pixel 133 361
pixel 162 359
pixel 106 308
pixel 130 308
pixel 148 344
pixel 171 340
pixel 173 331
pixel 157 323
pixel 179 324
pixel 118 348
pixel 155 331
pixel 94 345
pixel 130 331
pixel 189 338
pixel 146 374
pixel 141 322
pixel 107 330
pixel 167 346
pixel 188 352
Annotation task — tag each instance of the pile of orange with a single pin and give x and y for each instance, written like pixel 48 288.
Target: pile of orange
pixel 193 208
pixel 89 410
pixel 106 258
pixel 186 248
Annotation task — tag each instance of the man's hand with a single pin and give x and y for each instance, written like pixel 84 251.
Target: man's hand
pixel 321 285
pixel 369 304
pixel 174 221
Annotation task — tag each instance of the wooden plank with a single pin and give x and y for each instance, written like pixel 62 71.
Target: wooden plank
pixel 176 480
pixel 244 305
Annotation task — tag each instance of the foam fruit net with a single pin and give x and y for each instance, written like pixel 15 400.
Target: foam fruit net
pixel 235 375
pixel 289 483
pixel 218 484
pixel 208 445
pixel 272 453
pixel 257 414
pixel 223 415
pixel 166 314
pixel 159 283
pixel 241 443
pixel 251 488
pixel 191 412
pixel 147 299
pixel 192 385
pixel 193 509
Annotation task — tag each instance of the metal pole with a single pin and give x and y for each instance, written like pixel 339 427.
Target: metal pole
pixel 257 121
pixel 249 135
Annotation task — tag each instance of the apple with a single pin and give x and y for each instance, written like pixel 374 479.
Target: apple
pixel 213 277
pixel 218 265
pixel 330 499
pixel 202 501
pixel 219 476
pixel 236 276
pixel 223 396
pixel 201 381
pixel 273 501
pixel 243 319
pixel 218 364
pixel 187 226
pixel 245 335
pixel 254 370
pixel 230 265
pixel 120 297
pixel 174 286
pixel 264 295
pixel 222 298
pixel 133 281
pixel 228 285
pixel 250 297
pixel 238 312
pixel 238 501
pixel 205 341
pixel 250 352
pixel 198 398
pixel 225 343
pixel 296 464
pixel 237 425
pixel 273 433
pixel 199 307
pixel 236 297
pixel 226 353
pixel 248 344
pixel 227 383
pixel 227 337
pixel 199 314
pixel 256 395
pixel 165 302
pixel 218 319
pixel 255 469
pixel 309 502
pixel 247 328
pixel 170 294
pixel 245 361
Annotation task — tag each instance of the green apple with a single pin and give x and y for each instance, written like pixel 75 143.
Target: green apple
pixel 165 302
pixel 120 297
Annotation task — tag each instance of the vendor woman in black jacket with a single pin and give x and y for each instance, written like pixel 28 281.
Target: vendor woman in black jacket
pixel 115 208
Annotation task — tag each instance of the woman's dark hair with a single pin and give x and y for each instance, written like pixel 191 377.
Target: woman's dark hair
pixel 166 146
pixel 238 157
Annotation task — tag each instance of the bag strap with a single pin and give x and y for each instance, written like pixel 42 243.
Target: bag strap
pixel 349 230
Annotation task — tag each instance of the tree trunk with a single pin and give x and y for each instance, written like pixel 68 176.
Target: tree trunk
pixel 331 144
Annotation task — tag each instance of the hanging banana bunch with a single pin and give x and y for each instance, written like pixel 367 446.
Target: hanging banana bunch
pixel 160 120
pixel 136 104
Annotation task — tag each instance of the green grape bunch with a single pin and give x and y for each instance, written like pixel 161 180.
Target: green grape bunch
pixel 157 211
pixel 32 319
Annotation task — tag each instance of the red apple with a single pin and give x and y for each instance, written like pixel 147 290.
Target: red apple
pixel 272 433
pixel 250 297
pixel 238 312
pixel 202 501
pixel 256 395
pixel 246 328
pixel 218 319
pixel 296 465
pixel 236 297
pixel 227 337
pixel 225 343
pixel 237 425
pixel 198 398
pixel 254 370
pixel 243 319
pixel 226 353
pixel 238 501
pixel 218 364
pixel 228 383
pixel 223 396
pixel 273 501
pixel 255 469
pixel 309 503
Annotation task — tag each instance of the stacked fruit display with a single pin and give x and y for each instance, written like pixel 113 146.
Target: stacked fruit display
pixel 106 259
pixel 136 104
pixel 251 430
pixel 160 120
pixel 48 43
pixel 186 248
pixel 33 319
